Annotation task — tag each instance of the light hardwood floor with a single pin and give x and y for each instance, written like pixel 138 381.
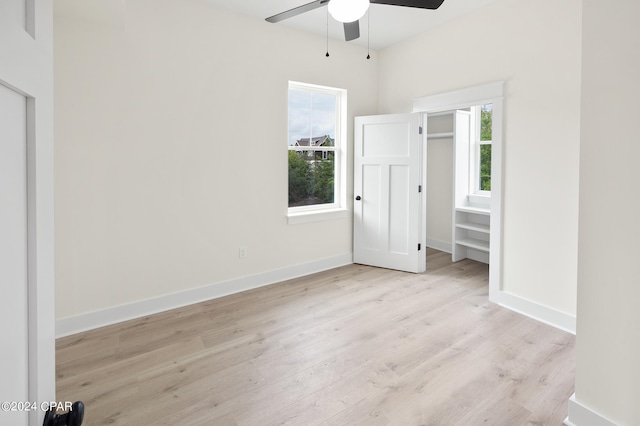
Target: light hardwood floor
pixel 352 346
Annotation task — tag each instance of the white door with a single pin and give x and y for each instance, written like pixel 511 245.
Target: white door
pixel 27 343
pixel 13 252
pixel 387 205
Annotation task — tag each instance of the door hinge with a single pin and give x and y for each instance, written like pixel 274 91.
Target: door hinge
pixel 420 130
pixel 419 188
pixel 419 246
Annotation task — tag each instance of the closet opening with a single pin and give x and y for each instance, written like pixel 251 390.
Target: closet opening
pixel 459 181
pixel 463 175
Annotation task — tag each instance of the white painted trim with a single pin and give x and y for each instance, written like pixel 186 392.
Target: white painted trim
pixel 439 245
pixel 422 222
pixel 497 205
pixel 536 311
pixel 116 314
pixel 316 215
pixel 581 415
pixel 479 200
pixel 462 98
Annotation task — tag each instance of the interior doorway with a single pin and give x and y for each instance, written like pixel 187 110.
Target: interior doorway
pixel 474 228
pixel 458 172
pixel 475 218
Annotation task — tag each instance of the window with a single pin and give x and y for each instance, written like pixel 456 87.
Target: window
pixel 480 166
pixel 315 148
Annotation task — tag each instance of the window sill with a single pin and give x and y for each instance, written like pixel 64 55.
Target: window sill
pixel 479 200
pixel 316 216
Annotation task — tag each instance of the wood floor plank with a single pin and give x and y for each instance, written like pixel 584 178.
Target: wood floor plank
pixel 356 345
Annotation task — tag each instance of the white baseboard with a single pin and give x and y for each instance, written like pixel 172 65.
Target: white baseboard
pixel 536 311
pixel 580 415
pixel 477 255
pixel 438 245
pixel 116 314
pixel 91 320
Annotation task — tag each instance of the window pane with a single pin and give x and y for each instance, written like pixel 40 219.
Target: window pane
pixel 311 115
pixel 311 177
pixel 324 114
pixel 312 124
pixel 485 167
pixel 486 115
pixel 299 115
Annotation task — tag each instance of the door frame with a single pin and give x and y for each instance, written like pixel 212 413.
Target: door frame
pixel 26 67
pixel 464 98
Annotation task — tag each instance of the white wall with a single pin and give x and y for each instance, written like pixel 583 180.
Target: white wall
pixel 171 134
pixel 535 48
pixel 439 192
pixel 439 183
pixel 608 329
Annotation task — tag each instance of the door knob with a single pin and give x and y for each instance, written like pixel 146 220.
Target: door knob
pixel 358 198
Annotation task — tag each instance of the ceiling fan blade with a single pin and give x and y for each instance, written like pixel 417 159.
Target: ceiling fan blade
pixel 421 4
pixel 297 11
pixel 351 30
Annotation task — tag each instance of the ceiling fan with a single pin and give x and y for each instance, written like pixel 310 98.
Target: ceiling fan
pixel 350 11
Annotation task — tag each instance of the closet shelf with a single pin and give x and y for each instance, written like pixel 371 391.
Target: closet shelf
pixel 474 227
pixel 474 244
pixel 476 210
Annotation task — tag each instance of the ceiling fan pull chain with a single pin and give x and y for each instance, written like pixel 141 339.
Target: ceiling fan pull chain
pixel 327 55
pixel 368 31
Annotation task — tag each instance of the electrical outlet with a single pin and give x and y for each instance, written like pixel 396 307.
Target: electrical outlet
pixel 242 252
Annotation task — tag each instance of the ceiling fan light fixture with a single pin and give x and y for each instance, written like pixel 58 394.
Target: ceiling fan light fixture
pixel 348 10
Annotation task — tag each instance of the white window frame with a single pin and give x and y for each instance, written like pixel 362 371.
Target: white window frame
pixel 337 209
pixel 475 158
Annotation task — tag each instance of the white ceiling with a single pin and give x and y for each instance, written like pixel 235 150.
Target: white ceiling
pixel 389 24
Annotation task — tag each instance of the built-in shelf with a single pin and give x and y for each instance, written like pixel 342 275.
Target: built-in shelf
pixel 442 135
pixel 474 244
pixel 474 209
pixel 478 227
pixel 471 233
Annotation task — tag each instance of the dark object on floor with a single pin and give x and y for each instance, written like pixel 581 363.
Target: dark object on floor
pixel 72 418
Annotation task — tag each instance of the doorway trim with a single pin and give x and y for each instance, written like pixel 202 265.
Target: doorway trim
pixel 464 98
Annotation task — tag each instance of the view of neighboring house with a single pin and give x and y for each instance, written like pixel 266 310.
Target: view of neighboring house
pixel 320 141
